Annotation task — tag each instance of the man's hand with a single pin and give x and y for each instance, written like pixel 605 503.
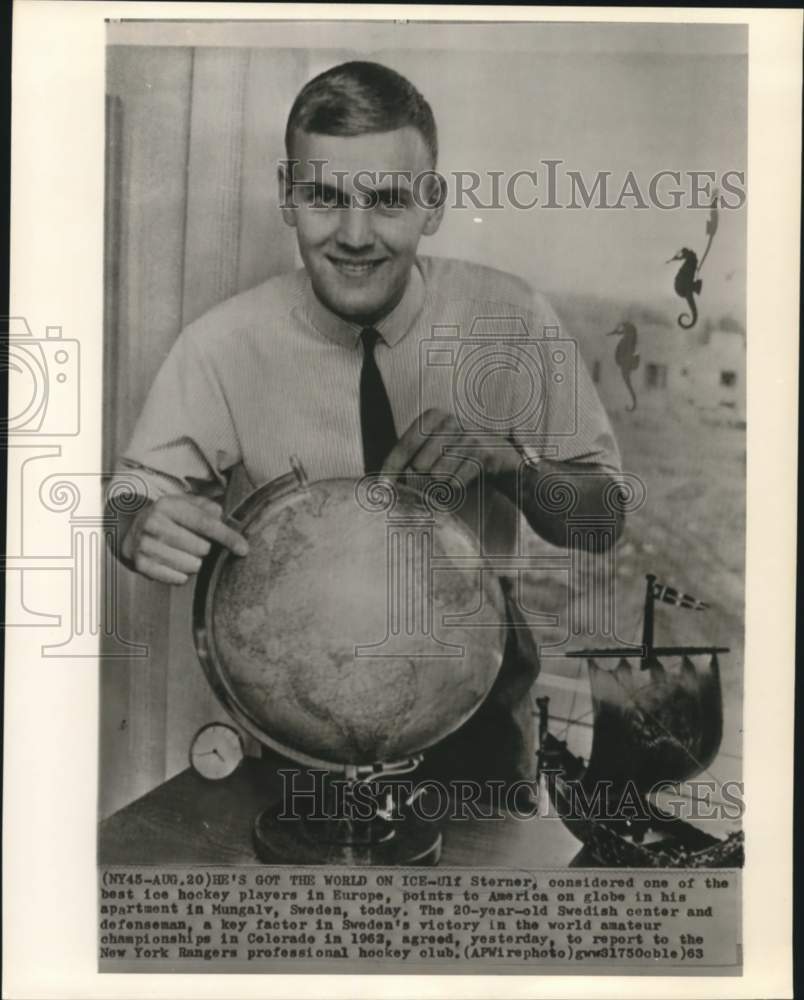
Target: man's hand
pixel 168 538
pixel 421 449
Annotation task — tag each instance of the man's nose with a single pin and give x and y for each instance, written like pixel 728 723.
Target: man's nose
pixel 355 229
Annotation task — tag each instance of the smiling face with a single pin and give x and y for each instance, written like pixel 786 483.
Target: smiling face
pixel 356 218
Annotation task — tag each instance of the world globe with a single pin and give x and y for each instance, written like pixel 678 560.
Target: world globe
pixel 362 627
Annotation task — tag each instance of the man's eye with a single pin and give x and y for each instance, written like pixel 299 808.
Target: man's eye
pixel 326 201
pixel 391 202
pixel 322 199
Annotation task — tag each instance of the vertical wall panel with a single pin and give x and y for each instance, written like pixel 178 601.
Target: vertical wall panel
pixel 151 88
pixel 154 88
pixel 267 246
pixel 214 179
pixel 212 252
pixel 114 679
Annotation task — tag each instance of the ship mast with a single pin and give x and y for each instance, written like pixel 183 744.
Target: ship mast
pixel 647 652
pixel 647 621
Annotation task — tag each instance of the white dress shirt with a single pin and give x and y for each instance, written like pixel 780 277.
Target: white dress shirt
pixel 272 373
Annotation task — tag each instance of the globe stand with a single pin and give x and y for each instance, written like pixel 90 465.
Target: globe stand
pixel 334 830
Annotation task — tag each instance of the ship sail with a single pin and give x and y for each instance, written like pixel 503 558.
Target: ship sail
pixel 659 724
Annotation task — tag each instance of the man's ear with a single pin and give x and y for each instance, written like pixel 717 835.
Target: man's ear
pixel 286 203
pixel 436 201
pixel 433 221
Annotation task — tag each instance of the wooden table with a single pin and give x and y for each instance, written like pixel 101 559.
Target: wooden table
pixel 188 820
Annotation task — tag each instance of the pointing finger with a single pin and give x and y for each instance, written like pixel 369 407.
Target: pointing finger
pixel 414 438
pixel 209 526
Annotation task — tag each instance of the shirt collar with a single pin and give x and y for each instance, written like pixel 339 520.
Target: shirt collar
pixel 392 328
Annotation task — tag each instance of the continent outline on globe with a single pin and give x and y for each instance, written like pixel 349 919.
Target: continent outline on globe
pixel 290 652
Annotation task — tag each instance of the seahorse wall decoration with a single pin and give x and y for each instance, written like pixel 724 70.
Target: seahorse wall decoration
pixel 687 284
pixel 626 357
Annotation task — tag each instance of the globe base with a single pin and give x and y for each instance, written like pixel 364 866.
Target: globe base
pixel 406 840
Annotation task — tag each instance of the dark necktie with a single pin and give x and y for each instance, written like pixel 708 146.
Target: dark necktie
pixel 376 416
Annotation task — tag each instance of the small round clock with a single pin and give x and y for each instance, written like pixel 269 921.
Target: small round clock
pixel 216 751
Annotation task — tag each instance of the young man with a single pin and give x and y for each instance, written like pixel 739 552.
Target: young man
pixel 333 364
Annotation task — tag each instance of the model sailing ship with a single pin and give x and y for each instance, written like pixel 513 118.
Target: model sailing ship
pixel 647 738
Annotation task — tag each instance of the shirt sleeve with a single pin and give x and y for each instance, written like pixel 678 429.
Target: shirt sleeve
pixel 561 416
pixel 185 439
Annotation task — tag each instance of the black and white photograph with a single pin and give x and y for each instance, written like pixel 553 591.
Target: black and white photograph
pixel 416 575
pixel 426 397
